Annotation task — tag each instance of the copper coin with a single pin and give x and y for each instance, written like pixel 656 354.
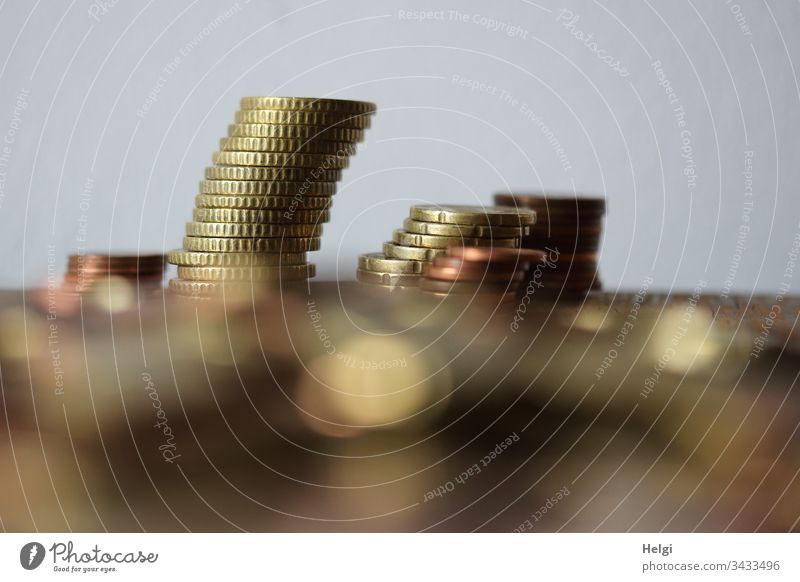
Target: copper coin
pixel 542 201
pixel 473 275
pixel 495 254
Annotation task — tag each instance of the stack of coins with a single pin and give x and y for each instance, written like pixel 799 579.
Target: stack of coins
pixel 431 229
pixel 569 229
pixel 491 271
pixel 263 203
pixel 84 271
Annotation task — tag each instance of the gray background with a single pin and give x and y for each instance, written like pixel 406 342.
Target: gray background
pixel 84 165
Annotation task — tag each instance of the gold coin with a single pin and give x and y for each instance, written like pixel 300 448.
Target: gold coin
pixel 310 175
pixel 355 120
pixel 287 146
pixel 253 188
pixel 308 104
pixel 221 288
pixel 263 202
pixel 460 214
pixel 323 161
pixel 198 259
pixel 239 230
pixel 286 273
pixel 396 251
pixel 304 132
pixel 379 263
pixel 250 245
pixel 388 279
pixel 430 241
pixel 237 215
pixel 466 230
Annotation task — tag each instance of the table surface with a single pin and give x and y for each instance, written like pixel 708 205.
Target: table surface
pixel 347 407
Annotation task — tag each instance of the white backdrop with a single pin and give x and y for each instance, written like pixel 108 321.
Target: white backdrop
pixel 684 113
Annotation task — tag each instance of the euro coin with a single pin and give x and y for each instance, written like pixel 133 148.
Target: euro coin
pixel 289 146
pixel 236 289
pixel 411 239
pixel 396 251
pixel 264 174
pixel 287 273
pixel 308 104
pixel 323 161
pixel 286 216
pixel 460 214
pixel 388 279
pixel 378 262
pixel 263 202
pixel 249 245
pixel 252 188
pixel 304 132
pixel 239 230
pixel 465 230
pixel 355 120
pixel 200 259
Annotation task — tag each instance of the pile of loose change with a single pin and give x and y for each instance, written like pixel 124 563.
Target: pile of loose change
pixel 263 202
pixel 85 271
pixel 431 229
pixel 569 229
pixel 493 271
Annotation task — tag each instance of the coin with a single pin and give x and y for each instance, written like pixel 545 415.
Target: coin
pixel 251 188
pixel 247 245
pixel 560 230
pixel 323 161
pixel 304 132
pixel 265 174
pixel 308 104
pixel 396 251
pixel 465 230
pixel 545 203
pixel 461 214
pixel 263 202
pixel 377 262
pixel 283 117
pixel 496 254
pixel 287 272
pixel 469 273
pixel 245 230
pixel 388 279
pixel 222 288
pixel 285 216
pixel 264 144
pixel 200 259
pixel 411 239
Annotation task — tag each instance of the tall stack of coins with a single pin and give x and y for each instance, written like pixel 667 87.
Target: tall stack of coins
pixel 84 271
pixel 569 229
pixel 491 271
pixel 263 203
pixel 431 229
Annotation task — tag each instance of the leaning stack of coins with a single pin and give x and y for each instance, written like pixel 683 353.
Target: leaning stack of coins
pixel 263 203
pixel 431 229
pixel 85 271
pixel 494 272
pixel 569 229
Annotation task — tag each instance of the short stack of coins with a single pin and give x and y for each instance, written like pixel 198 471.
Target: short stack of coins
pixel 85 271
pixel 569 229
pixel 431 229
pixel 494 272
pixel 262 205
